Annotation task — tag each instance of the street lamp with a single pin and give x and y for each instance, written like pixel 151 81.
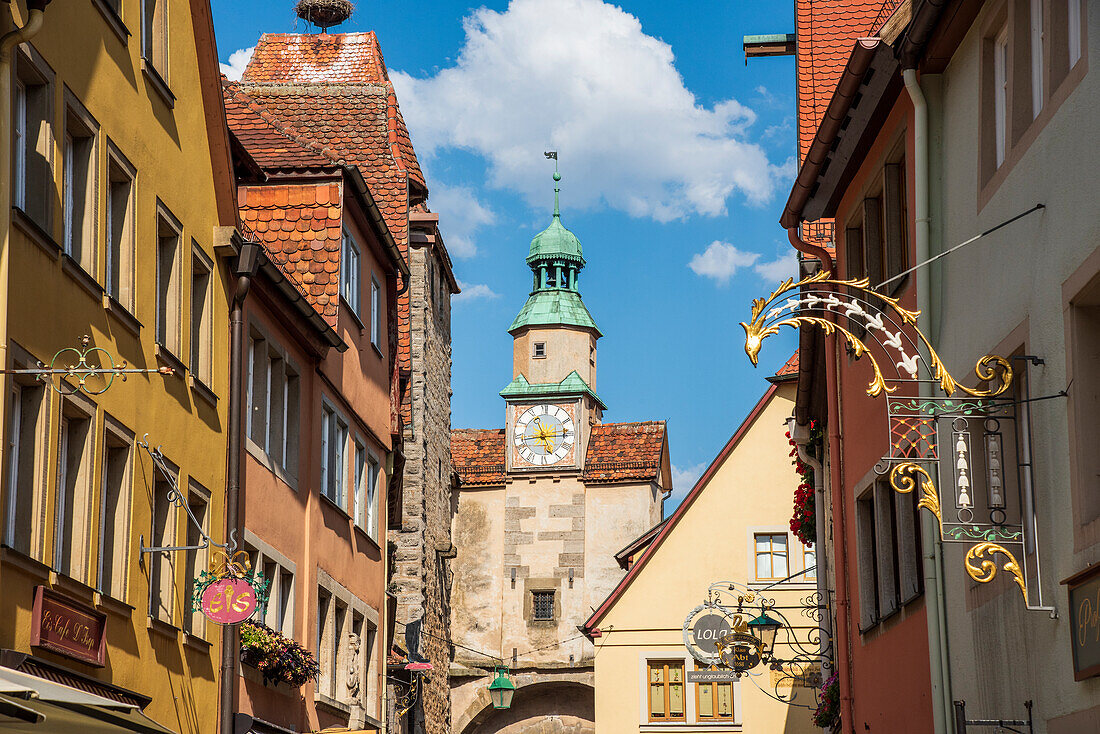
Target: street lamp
pixel 502 689
pixel 764 628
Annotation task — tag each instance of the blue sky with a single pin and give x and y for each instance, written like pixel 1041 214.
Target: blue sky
pixel 676 159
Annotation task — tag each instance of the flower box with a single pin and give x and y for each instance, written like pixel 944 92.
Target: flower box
pixel 278 658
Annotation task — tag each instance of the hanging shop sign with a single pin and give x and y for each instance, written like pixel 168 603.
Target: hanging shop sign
pixel 704 628
pixel 230 592
pixel 68 628
pixel 1084 622
pixel 740 651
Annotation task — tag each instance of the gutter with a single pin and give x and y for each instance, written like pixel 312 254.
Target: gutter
pixel 835 114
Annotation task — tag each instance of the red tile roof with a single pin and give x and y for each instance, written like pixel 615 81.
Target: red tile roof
pixel 271 144
pixel 478 455
pixel 791 368
pixel 299 227
pixel 617 452
pixel 826 30
pixel 624 451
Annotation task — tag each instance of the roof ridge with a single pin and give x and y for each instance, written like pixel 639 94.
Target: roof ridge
pixel 256 107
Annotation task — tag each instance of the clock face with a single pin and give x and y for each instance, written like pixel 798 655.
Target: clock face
pixel 544 435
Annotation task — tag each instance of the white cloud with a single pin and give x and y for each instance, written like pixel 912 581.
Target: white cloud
pixel 461 214
pixel 581 77
pixel 784 266
pixel 720 261
pixel 683 479
pixel 474 292
pixel 237 61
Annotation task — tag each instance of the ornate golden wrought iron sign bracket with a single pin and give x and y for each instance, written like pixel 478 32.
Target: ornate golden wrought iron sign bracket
pixel 74 375
pixel 864 318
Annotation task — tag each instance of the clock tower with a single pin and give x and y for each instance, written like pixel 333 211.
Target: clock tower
pixel 551 401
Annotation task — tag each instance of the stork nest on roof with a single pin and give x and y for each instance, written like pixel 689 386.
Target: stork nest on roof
pixel 324 13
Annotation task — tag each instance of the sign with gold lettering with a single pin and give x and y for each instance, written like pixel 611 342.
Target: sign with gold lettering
pixel 1084 622
pixel 230 592
pixel 68 628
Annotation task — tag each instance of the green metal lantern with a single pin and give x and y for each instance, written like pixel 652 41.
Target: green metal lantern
pixel 502 689
pixel 764 628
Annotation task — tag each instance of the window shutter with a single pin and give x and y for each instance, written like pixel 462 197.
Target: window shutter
pixel 885 549
pixel 872 239
pixel 865 533
pixel 908 534
pixel 893 194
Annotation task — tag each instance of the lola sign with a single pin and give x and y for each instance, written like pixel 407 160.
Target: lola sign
pixel 229 601
pixel 704 629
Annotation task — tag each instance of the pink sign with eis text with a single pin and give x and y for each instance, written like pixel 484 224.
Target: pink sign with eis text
pixel 229 601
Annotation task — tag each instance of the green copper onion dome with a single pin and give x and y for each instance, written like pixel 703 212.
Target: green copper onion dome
pixel 555 241
pixel 555 261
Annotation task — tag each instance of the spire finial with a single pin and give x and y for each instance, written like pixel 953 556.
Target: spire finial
pixel 553 155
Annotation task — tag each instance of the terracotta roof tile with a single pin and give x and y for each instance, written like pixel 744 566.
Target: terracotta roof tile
pixel 624 451
pixel 270 143
pixel 301 236
pixel 478 455
pixel 617 452
pixel 791 368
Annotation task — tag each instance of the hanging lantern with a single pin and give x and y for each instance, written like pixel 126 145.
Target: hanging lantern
pixel 764 628
pixel 502 689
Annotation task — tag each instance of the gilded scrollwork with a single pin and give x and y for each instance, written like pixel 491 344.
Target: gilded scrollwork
pixel 903 478
pixel 986 568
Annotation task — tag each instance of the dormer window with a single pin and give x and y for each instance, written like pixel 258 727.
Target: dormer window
pixel 538 351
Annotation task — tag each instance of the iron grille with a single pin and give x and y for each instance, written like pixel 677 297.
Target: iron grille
pixel 544 605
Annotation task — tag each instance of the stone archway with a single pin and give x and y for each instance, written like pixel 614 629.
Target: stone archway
pixel 545 705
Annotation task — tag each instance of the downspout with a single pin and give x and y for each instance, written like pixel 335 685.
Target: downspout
pixel 842 655
pixel 8 42
pixel 247 263
pixel 932 543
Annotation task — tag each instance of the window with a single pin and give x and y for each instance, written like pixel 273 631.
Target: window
pixel 168 281
pixel 32 138
pixel 279 571
pixel 378 319
pixel 809 562
pixel 366 484
pixel 666 690
pixel 539 350
pixel 345 638
pixel 72 513
pixel 154 35
pixel 326 645
pixel 120 229
pixel 1073 31
pixel 894 222
pixel 1038 50
pixel 542 604
pixel 887 535
pixel 1083 325
pixel 1000 94
pixel 114 513
pixel 162 565
pixel 27 417
pixel 334 466
pixel 273 400
pixel 372 497
pixel 771 556
pixel 196 560
pixel 79 188
pixel 350 270
pixel 713 701
pixel 202 321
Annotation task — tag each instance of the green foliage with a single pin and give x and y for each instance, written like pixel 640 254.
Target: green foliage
pixel 278 658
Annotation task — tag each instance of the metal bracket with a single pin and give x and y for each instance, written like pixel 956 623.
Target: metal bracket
pixel 81 371
pixel 961 722
pixel 176 498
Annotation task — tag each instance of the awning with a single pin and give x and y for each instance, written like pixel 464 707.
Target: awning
pixel 32 704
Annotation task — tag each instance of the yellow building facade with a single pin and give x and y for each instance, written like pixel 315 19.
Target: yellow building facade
pixel 117 221
pixel 733 526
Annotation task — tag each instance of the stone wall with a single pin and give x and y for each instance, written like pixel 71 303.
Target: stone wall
pixel 424 540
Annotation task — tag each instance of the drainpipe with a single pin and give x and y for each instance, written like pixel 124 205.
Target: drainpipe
pixel 247 263
pixel 842 655
pixel 932 543
pixel 8 42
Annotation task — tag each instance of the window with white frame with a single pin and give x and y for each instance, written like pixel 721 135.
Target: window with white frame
pixel 79 186
pixel 279 571
pixel 162 565
pixel 168 307
pixel 366 488
pixel 32 138
pixel 119 252
pixel 274 388
pixel 202 318
pixel 350 272
pixel 334 456
pixel 809 562
pixel 195 560
pixel 72 511
pixel 28 411
pixel 771 556
pixel 114 510
pixel 378 319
